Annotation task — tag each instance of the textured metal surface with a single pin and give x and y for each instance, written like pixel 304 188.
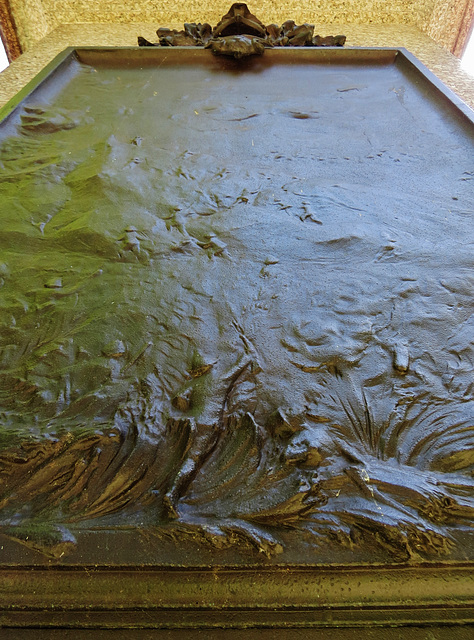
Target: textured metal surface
pixel 238 598
pixel 89 536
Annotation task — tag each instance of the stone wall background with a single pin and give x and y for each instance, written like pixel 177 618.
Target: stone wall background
pixel 440 19
pixel 451 23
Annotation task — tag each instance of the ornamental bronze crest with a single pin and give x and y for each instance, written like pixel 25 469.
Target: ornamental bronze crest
pixel 240 34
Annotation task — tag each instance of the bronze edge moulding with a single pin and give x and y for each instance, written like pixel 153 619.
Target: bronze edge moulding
pixel 239 34
pixel 102 481
pixel 367 524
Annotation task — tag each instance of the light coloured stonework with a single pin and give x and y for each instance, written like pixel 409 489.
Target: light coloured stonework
pixel 449 23
pixel 36 18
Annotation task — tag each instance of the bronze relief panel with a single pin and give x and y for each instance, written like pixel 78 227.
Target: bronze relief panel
pixel 236 312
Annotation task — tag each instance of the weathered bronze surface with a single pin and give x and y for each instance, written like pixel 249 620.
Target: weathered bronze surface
pixel 236 314
pixel 237 46
pixel 239 21
pixel 240 34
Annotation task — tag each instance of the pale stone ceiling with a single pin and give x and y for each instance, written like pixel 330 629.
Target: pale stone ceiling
pixel 438 18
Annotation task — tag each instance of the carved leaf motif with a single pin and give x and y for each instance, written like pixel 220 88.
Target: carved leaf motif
pixel 382 472
pixel 248 477
pixel 243 482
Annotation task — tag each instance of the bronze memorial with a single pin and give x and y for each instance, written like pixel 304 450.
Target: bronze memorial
pixel 237 338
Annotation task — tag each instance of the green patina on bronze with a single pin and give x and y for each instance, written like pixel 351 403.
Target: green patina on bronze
pixel 236 306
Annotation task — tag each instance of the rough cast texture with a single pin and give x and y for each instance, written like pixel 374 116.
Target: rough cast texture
pixel 237 300
pixel 36 18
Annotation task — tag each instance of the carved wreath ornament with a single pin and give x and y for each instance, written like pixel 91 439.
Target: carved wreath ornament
pixel 240 34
